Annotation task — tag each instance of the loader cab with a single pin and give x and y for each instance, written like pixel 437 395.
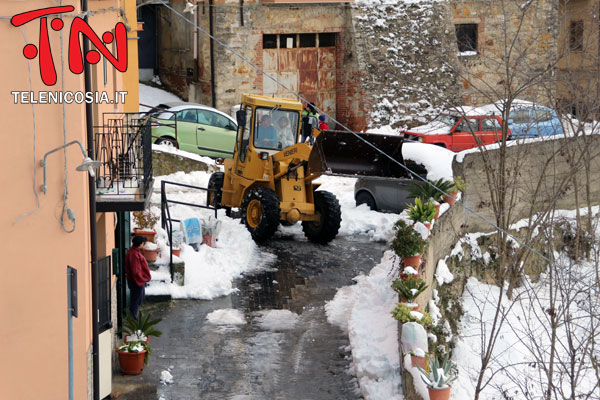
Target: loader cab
pixel 266 125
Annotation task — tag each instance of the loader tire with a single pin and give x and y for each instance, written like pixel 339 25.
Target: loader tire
pixel 261 213
pixel 215 182
pixel 326 229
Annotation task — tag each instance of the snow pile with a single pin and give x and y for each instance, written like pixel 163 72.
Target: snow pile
pixel 364 312
pixel 186 154
pixel 166 377
pixel 227 316
pixel 436 159
pixel 277 320
pixel 442 273
pixel 151 96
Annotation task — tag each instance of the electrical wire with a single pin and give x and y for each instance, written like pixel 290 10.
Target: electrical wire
pixel 35 164
pixel 415 175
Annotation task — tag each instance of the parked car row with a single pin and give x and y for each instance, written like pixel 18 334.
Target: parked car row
pixel 458 132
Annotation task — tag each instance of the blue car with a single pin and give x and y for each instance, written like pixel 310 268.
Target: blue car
pixel 530 121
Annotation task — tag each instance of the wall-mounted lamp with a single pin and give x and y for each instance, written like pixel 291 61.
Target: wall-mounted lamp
pixel 87 165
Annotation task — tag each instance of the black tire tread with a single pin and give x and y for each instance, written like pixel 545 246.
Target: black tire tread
pixel 331 217
pixel 271 213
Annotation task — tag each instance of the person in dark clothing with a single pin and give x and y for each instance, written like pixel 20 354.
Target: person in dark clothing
pixel 137 272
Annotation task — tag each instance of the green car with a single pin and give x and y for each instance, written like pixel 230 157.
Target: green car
pixel 195 128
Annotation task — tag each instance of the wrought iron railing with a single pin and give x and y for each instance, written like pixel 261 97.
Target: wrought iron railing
pixel 165 213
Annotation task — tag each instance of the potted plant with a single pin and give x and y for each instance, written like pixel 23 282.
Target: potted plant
pixel 408 244
pixel 431 189
pixel 145 221
pixel 403 313
pixel 150 251
pixel 439 377
pixel 409 289
pixel 417 358
pixel 140 329
pixel 133 356
pixel 422 211
pixel 459 185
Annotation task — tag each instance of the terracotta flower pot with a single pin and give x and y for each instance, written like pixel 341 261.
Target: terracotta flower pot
pixel 451 199
pixel 150 255
pixel 149 235
pixel 210 240
pixel 412 261
pixel 418 361
pixel 437 213
pixel 176 252
pixel 132 363
pixel 439 394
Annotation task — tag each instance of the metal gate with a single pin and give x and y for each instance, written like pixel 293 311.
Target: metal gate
pixel 303 62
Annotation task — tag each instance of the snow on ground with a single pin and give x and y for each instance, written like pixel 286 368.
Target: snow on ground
pixel 363 311
pixel 226 316
pixel 152 96
pixel 186 154
pixel 277 320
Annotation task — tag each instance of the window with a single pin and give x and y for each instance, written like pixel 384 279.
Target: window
pixel 467 125
pixel 542 115
pixel 308 40
pixel 269 41
pixel 466 37
pixel 187 116
pixel 490 124
pixel 576 36
pixel 326 39
pixel 519 116
pixel 275 129
pixel 287 41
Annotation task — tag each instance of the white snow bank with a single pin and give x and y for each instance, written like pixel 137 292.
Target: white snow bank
pixel 442 273
pixel 166 377
pixel 185 154
pixel 277 320
pixel 152 96
pixel 436 159
pixel 364 312
pixel 226 316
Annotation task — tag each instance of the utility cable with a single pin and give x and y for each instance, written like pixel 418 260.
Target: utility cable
pixel 415 175
pixel 35 164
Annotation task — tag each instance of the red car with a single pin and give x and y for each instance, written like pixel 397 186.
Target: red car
pixel 458 133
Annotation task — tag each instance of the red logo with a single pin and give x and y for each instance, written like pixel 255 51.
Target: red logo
pixel 47 69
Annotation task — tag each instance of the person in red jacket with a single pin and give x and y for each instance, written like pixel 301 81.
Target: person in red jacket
pixel 322 124
pixel 137 272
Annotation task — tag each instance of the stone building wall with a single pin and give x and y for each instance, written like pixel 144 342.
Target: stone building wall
pixel 518 37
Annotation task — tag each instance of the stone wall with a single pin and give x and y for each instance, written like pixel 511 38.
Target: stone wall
pixel 164 163
pixel 519 36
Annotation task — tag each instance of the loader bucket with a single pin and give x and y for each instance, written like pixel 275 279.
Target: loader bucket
pixel 341 152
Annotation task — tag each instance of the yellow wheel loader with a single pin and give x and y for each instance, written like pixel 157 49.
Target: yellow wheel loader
pixel 271 175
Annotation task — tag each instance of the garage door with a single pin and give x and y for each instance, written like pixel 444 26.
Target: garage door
pixel 303 62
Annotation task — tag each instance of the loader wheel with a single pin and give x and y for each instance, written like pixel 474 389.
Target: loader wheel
pixel 215 182
pixel 261 213
pixel 324 230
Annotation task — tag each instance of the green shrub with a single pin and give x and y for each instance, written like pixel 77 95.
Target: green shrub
pixel 429 190
pixel 407 242
pixel 145 219
pixel 422 211
pixel 142 326
pixel 402 313
pixel 433 378
pixel 409 289
pixel 460 184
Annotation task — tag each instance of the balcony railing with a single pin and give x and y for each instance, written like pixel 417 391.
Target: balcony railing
pixel 123 143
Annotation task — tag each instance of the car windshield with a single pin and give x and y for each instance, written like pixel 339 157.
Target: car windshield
pixel 275 129
pixel 447 120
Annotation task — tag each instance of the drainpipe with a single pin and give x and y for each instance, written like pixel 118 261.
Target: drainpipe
pixel 213 98
pixel 89 115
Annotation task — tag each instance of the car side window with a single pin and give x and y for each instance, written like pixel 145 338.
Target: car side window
pixel 490 124
pixel 542 115
pixel 467 125
pixel 187 116
pixel 520 116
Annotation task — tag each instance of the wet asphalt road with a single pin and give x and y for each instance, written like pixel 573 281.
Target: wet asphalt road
pixel 310 361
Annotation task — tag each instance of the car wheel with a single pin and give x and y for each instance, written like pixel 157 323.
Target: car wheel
pixel 167 141
pixel 215 183
pixel 326 229
pixel 366 198
pixel 261 213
